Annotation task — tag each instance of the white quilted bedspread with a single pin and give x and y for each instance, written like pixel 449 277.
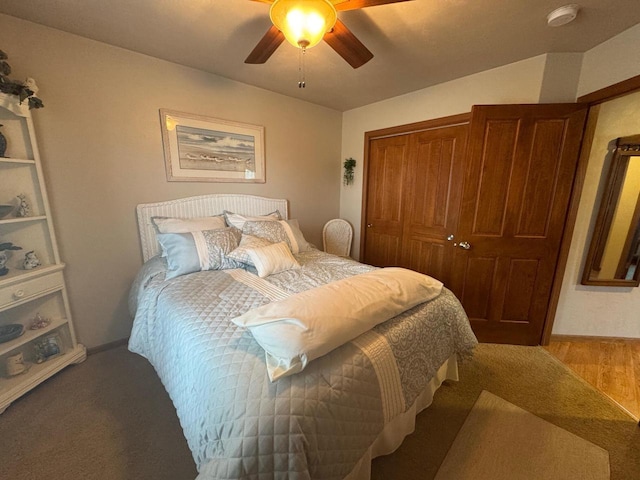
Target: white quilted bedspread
pixel 315 424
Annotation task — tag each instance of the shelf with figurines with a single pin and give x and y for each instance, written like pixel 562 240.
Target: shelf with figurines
pixel 39 325
pixel 19 210
pixel 19 227
pixel 30 261
pixel 26 331
pixel 15 147
pixel 17 263
pixel 45 352
pixel 31 272
pixel 14 274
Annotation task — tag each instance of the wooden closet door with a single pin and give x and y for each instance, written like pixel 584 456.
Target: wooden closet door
pixel 386 186
pixel 436 173
pixel 521 162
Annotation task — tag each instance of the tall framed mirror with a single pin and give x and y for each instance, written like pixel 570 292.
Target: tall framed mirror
pixel 614 253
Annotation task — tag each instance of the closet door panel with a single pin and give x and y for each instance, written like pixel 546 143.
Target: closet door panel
pixel 436 174
pixel 427 257
pixel 479 274
pixel 492 175
pixel 541 179
pixel 384 211
pixel 521 164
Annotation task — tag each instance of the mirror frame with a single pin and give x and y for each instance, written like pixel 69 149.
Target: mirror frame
pixel 625 147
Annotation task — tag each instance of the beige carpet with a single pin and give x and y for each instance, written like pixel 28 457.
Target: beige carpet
pixel 500 441
pixel 110 418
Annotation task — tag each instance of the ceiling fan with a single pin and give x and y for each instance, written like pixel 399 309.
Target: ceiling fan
pixel 304 23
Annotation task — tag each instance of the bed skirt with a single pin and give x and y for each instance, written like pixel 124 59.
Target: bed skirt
pixel 404 424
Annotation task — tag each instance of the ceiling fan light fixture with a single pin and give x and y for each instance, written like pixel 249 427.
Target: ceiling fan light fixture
pixel 303 22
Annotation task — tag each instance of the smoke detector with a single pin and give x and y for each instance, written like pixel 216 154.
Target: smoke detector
pixel 563 15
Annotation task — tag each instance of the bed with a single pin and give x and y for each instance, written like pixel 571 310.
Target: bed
pixel 326 422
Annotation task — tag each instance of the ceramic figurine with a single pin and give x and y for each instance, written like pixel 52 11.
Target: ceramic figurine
pixel 4 256
pixel 30 83
pixel 39 322
pixel 31 261
pixel 15 365
pixel 24 209
pixel 3 144
pixel 48 347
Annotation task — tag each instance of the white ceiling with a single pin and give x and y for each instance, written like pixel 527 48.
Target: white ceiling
pixel 416 44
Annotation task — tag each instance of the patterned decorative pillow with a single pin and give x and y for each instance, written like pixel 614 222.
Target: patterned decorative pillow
pixel 247 242
pixel 272 259
pixel 275 232
pixel 196 251
pixel 237 220
pixel 186 225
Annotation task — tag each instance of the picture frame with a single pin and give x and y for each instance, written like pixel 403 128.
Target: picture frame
pixel 205 149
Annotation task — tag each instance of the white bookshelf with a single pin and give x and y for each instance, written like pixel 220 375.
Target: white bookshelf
pixel 42 290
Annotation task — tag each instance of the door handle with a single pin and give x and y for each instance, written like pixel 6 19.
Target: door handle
pixel 463 245
pixel 369 225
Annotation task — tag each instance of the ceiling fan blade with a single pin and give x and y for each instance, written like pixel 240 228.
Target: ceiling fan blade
pixel 263 1
pixel 356 4
pixel 347 45
pixel 266 46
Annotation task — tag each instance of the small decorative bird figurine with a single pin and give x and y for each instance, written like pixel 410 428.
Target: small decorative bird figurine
pixel 30 83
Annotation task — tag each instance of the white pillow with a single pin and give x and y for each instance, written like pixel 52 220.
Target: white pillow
pixel 310 324
pixel 272 259
pixel 303 245
pixel 237 220
pixel 241 254
pixel 187 225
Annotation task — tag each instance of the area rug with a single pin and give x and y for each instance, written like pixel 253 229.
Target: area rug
pixel 532 379
pixel 500 441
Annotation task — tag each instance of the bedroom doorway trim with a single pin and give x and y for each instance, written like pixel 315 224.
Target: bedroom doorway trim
pixel 593 99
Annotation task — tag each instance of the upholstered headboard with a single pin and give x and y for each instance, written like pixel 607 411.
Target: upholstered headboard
pixel 200 206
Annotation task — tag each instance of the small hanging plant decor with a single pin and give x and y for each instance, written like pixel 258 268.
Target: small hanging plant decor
pixel 349 165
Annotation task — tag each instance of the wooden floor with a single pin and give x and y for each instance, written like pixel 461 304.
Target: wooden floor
pixel 612 366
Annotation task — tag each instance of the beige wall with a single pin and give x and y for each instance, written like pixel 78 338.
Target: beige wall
pixel 599 311
pixel 611 62
pixel 561 76
pixel 100 142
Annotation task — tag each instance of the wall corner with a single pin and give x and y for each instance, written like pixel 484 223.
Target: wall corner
pixel 561 78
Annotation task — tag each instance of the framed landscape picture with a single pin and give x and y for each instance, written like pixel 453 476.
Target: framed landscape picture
pixel 205 149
